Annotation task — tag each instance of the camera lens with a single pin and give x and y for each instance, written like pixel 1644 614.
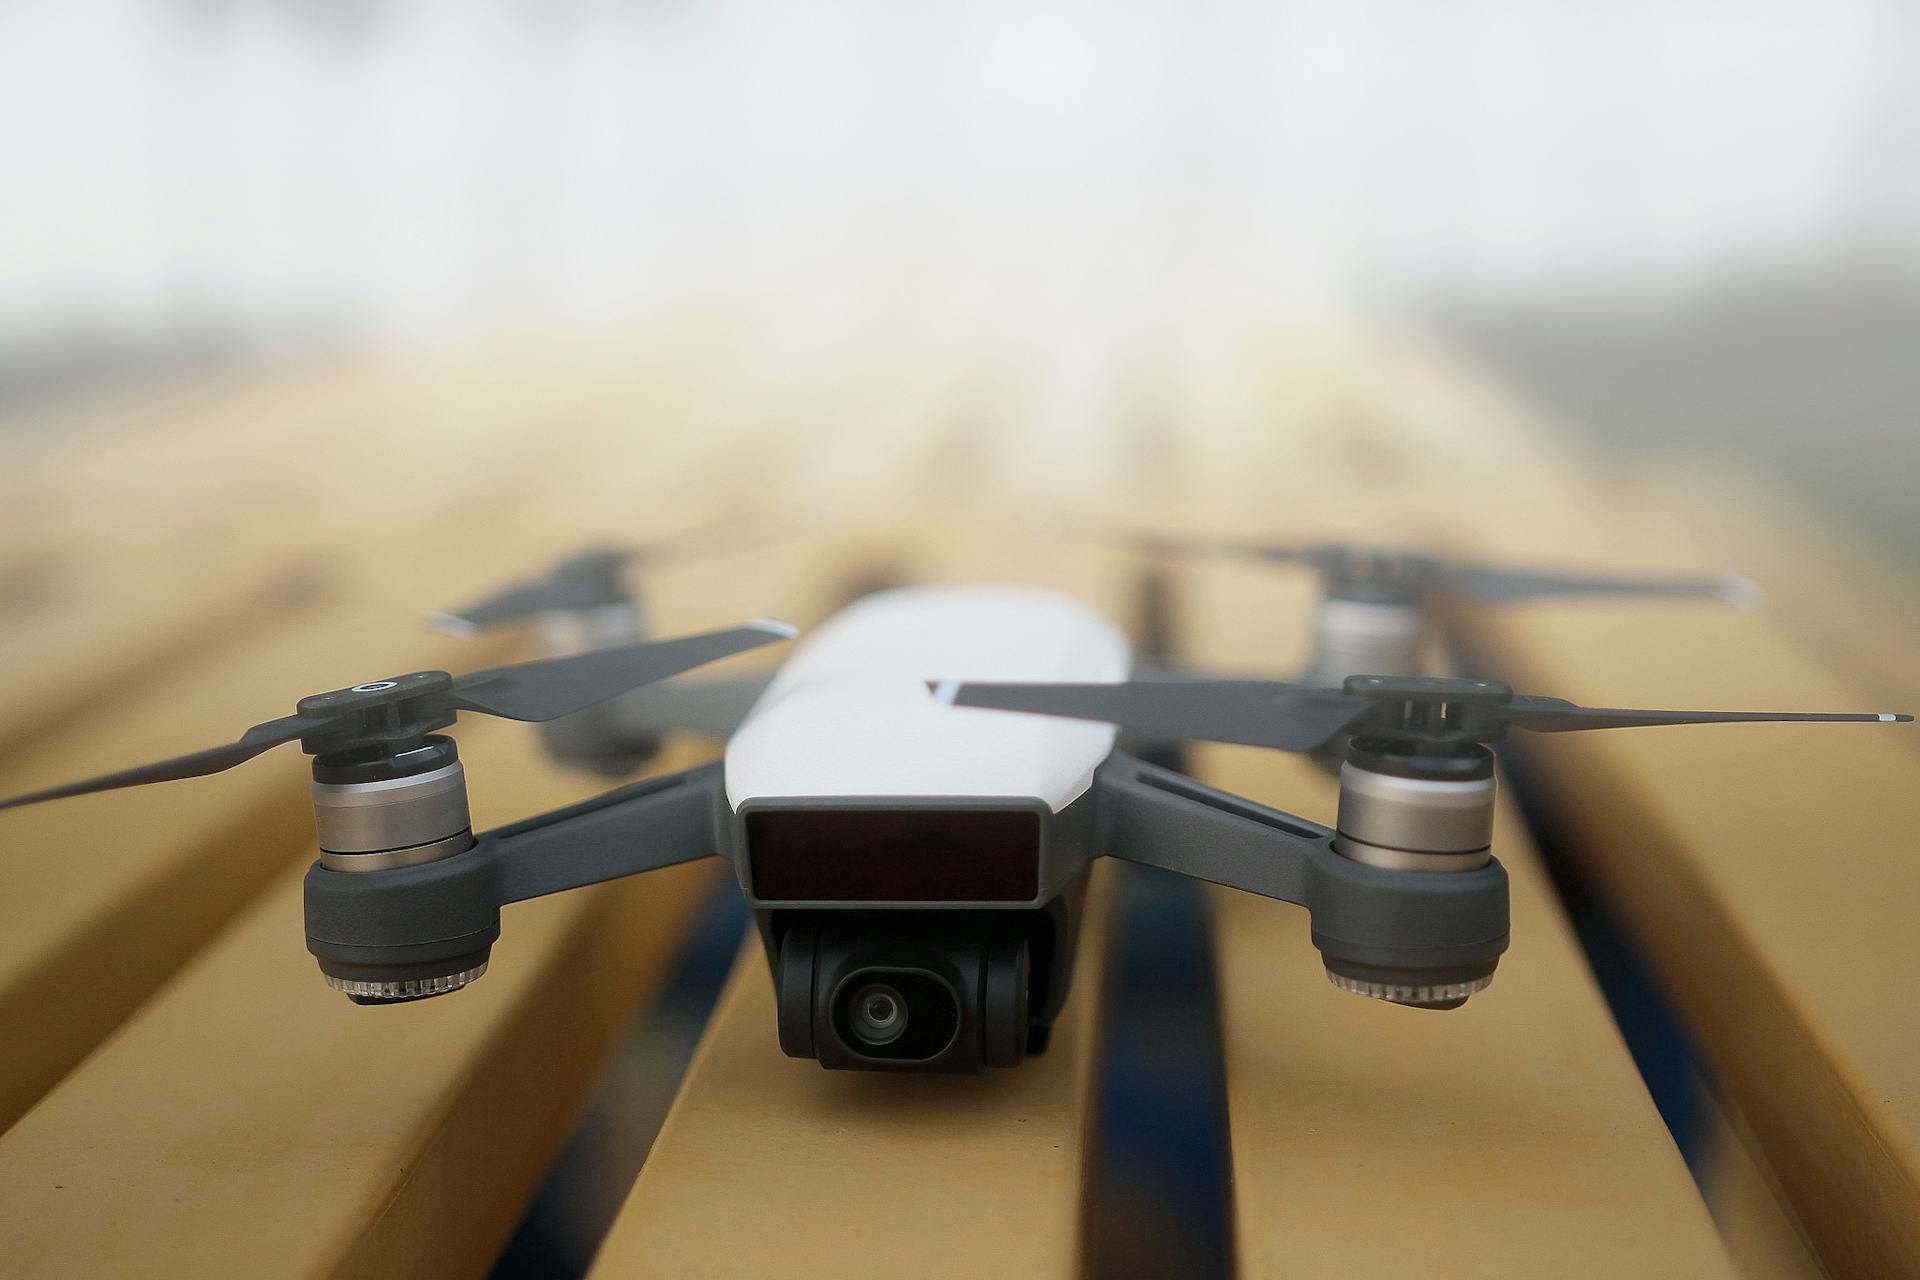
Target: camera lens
pixel 877 1014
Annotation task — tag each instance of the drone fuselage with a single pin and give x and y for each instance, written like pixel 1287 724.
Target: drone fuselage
pixel 926 859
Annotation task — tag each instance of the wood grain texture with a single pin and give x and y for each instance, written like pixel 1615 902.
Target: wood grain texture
pixel 250 1121
pixel 102 897
pixel 1765 872
pixel 1768 874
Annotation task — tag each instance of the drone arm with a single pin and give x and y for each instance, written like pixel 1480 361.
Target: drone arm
pixel 1417 937
pixel 655 823
pixel 1160 818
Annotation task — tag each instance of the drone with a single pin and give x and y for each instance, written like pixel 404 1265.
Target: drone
pixel 916 851
pixel 1375 612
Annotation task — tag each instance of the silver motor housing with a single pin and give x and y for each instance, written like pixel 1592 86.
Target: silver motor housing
pixel 1404 810
pixel 385 811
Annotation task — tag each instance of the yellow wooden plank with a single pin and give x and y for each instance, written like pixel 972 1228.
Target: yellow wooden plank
pixel 1755 1217
pixel 1852 610
pixel 106 896
pixel 103 896
pixel 1766 873
pixel 1510 1137
pixel 250 1121
pixel 112 626
pixel 421 1191
pixel 979 1175
pixel 420 1162
pixel 1761 870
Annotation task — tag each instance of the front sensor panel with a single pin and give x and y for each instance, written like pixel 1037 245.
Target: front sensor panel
pixel 894 855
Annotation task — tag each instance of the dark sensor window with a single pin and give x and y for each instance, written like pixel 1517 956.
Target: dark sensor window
pixel 894 855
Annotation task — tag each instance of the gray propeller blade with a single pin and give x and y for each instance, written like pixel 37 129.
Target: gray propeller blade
pixel 1552 715
pixel 427 700
pixel 260 738
pixel 1255 713
pixel 553 687
pixel 1492 583
pixel 1267 713
pixel 589 578
pixel 1496 584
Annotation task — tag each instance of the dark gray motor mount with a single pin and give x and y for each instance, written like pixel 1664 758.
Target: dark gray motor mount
pixel 1409 807
pixel 407 931
pixel 932 991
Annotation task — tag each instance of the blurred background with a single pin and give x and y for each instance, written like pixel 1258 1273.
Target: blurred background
pixel 1678 221
pixel 1688 229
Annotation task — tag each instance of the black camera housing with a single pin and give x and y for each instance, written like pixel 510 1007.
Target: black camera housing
pixel 947 991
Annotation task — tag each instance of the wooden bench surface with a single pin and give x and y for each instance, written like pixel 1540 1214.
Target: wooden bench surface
pixel 1512 1136
pixel 182 1095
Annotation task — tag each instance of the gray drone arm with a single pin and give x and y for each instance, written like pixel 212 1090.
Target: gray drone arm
pixel 374 931
pixel 1415 937
pixel 1160 818
pixel 656 823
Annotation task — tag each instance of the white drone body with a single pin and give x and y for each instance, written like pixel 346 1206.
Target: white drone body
pixel 848 715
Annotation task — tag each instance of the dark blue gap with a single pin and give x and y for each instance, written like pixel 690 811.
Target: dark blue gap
pixel 1160 1166
pixel 1160 1169
pixel 576 1204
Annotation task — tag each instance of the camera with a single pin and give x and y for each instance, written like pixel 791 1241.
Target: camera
pixel 883 990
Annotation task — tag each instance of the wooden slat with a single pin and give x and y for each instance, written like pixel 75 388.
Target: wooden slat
pixel 1852 612
pixel 1751 1209
pixel 1767 873
pixel 1762 871
pixel 105 897
pixel 102 898
pixel 418 1162
pixel 1512 1137
pixel 110 627
pixel 250 1121
pixel 768 1165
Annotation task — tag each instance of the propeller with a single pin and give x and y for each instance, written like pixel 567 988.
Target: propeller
pixel 394 714
pixel 1431 711
pixel 587 579
pixel 1394 572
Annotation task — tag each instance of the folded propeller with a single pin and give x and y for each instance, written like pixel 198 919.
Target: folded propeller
pixel 1427 712
pixel 394 715
pixel 1362 570
pixel 588 579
